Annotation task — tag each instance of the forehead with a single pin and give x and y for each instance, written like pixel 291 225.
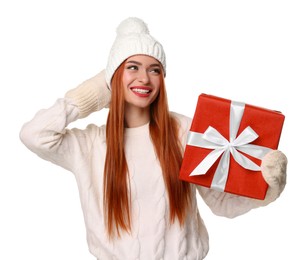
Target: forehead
pixel 143 59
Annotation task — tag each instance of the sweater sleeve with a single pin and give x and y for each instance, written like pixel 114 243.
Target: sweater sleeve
pixel 231 205
pixel 47 136
pixel 226 204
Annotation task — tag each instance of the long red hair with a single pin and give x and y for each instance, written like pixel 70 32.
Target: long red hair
pixel 164 134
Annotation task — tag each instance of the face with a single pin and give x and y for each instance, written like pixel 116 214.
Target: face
pixel 141 80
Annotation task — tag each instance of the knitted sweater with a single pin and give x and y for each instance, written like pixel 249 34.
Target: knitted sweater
pixel 83 153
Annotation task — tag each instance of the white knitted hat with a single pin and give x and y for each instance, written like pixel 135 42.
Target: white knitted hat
pixel 132 38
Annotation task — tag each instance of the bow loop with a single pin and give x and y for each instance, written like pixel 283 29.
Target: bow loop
pixel 213 136
pixel 247 136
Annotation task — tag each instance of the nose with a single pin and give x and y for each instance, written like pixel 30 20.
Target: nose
pixel 143 77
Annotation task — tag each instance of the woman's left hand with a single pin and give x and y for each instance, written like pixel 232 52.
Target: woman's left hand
pixel 274 171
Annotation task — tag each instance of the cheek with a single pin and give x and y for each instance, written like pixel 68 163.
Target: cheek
pixel 127 79
pixel 157 83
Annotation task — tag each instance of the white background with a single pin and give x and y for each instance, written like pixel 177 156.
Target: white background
pixel 251 51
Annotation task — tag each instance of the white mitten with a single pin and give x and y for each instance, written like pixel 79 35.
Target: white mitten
pixel 274 171
pixel 91 95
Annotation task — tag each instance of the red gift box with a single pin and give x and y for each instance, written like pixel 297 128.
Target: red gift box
pixel 225 145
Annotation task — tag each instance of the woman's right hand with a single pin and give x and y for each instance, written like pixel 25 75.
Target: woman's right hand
pixel 91 95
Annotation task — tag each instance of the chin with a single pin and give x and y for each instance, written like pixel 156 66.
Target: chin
pixel 142 104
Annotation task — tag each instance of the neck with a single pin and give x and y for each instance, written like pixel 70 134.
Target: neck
pixel 135 116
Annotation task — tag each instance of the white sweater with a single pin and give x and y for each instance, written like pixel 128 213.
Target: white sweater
pixel 83 153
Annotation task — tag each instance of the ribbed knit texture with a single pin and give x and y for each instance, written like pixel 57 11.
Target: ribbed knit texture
pixel 92 95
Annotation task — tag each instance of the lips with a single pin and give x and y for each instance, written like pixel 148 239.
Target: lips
pixel 141 91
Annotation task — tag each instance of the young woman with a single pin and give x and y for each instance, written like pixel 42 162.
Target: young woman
pixel 135 206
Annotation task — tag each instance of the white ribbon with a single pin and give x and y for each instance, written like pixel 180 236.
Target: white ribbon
pixel 212 139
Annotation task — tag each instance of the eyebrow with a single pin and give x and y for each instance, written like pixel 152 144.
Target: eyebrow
pixel 139 63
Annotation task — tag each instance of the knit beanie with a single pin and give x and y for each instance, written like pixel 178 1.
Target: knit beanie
pixel 132 38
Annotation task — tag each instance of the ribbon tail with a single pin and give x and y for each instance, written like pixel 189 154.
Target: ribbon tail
pixel 221 173
pixel 244 161
pixel 207 162
pixel 256 151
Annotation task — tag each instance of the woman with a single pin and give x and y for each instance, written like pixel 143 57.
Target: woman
pixel 134 205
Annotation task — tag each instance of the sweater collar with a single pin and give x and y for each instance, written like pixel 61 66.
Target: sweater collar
pixel 140 130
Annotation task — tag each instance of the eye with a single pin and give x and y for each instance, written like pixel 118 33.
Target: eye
pixel 132 67
pixel 156 71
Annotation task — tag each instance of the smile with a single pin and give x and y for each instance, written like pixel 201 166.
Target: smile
pixel 141 91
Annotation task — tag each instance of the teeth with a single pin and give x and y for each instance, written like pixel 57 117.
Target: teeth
pixel 142 91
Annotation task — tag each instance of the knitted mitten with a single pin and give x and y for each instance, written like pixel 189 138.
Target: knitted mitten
pixel 91 95
pixel 274 168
